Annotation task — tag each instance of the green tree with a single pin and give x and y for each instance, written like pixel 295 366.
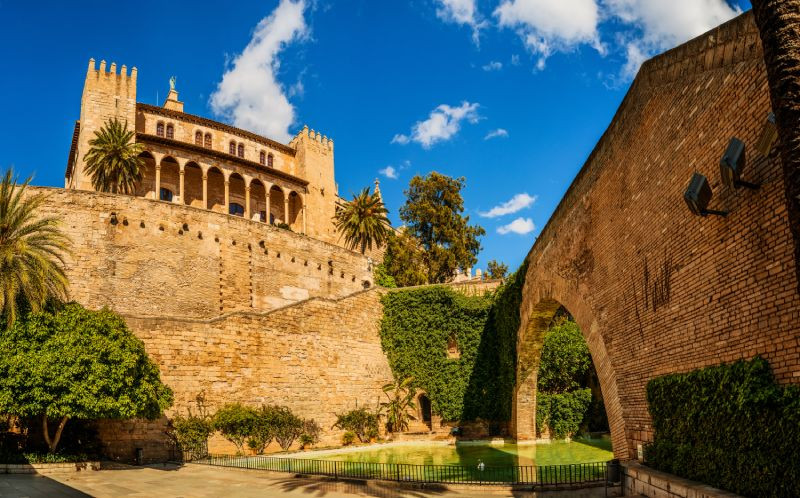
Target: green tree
pixel 400 395
pixel 432 214
pixel 288 427
pixel 362 422
pixel 32 250
pixel 403 260
pixel 236 423
pixel 113 160
pixel 382 277
pixel 363 222
pixel 565 358
pixel 263 428
pixel 496 270
pixel 71 362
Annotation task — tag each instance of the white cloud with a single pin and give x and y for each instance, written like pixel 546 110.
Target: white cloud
pixel 517 203
pixel 548 26
pixel 493 66
pixel 249 95
pixel 390 172
pixel 462 12
pixel 663 24
pixel 519 226
pixel 498 133
pixel 442 124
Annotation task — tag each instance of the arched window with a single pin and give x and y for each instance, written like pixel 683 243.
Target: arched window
pixel 269 160
pixel 208 141
pixel 236 209
pixel 232 148
pixel 170 131
pixel 198 138
pixel 241 150
pixel 165 194
pixel 160 129
pixel 262 158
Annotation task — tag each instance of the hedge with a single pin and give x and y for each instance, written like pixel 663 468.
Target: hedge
pixel 416 327
pixel 729 426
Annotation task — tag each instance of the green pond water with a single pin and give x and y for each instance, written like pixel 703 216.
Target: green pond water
pixel 470 454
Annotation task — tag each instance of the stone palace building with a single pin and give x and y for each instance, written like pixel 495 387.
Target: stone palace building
pixel 194 161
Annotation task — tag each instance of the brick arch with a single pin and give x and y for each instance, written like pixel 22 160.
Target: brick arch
pixel 540 303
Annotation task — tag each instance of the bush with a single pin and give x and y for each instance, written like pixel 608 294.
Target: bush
pixel 729 426
pixel 236 423
pixel 382 277
pixel 264 427
pixel 562 413
pixel 348 438
pixel 361 422
pixel 192 432
pixel 311 433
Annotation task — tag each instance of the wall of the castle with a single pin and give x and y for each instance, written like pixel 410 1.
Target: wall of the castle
pixel 162 259
pixel 318 357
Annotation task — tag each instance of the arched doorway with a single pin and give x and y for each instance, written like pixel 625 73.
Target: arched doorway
pixel 424 406
pixel 258 201
pixel 276 206
pixel 236 199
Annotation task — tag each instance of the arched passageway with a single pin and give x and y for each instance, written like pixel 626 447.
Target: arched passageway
pixel 276 205
pixel 168 179
pixel 536 317
pixel 236 195
pixel 258 201
pixel 192 185
pixel 424 409
pixel 216 190
pixel 147 185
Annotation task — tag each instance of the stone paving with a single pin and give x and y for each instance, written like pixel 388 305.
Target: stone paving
pixel 201 481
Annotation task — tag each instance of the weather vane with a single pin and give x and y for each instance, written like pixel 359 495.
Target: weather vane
pixel 172 82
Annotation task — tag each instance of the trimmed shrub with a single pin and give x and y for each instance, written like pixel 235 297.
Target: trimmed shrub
pixel 192 432
pixel 729 426
pixel 348 438
pixel 361 422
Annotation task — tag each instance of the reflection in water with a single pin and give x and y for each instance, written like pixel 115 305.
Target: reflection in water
pixel 470 454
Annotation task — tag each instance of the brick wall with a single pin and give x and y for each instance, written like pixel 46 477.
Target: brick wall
pixel 318 357
pixel 162 259
pixel 655 289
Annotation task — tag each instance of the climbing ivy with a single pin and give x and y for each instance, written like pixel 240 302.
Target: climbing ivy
pixel 730 426
pixel 478 382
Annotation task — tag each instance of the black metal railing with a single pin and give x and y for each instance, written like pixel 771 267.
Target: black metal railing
pixel 571 475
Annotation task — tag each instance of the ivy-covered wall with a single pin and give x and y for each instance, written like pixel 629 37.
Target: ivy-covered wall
pixel 416 327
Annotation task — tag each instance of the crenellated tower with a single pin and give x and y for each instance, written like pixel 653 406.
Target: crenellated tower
pixel 314 160
pixel 106 94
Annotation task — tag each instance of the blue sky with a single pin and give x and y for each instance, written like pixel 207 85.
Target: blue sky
pixel 511 94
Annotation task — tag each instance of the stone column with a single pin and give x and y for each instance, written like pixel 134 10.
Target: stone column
pixel 286 209
pixel 181 192
pixel 247 202
pixel 227 196
pixel 304 218
pixel 205 191
pixel 158 183
pixel 269 208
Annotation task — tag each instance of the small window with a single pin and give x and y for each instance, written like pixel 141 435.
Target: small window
pixel 198 138
pixel 262 158
pixel 269 160
pixel 263 216
pixel 208 141
pixel 232 148
pixel 166 194
pixel 241 150
pixel 236 209
pixel 170 131
pixel 160 129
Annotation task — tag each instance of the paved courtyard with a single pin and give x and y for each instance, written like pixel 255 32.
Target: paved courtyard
pixel 201 481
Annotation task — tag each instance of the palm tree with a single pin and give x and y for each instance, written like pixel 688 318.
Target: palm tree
pixel 778 22
pixel 32 251
pixel 113 160
pixel 400 402
pixel 363 221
